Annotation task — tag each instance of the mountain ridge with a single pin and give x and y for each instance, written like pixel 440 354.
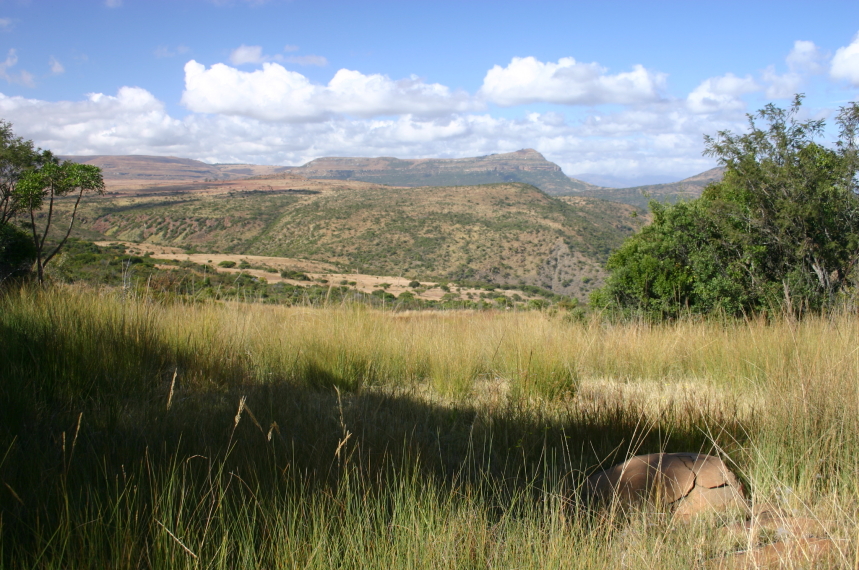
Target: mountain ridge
pixel 526 166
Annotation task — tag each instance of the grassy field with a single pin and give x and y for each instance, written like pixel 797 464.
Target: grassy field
pixel 138 433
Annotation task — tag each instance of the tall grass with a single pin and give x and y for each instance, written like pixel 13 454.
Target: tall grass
pixel 145 434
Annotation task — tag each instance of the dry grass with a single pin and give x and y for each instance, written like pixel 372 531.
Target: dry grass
pixel 452 439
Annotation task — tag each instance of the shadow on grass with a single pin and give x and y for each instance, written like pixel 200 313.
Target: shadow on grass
pixel 89 439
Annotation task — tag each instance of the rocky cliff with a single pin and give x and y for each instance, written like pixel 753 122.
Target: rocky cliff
pixel 527 165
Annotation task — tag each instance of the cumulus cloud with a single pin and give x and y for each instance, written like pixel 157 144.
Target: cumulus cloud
pixel 274 93
pixel 721 94
pixel 272 115
pixel 805 57
pixel 662 140
pixel 568 82
pixel 130 122
pixel 22 77
pixel 845 64
pixel 803 60
pixel 56 67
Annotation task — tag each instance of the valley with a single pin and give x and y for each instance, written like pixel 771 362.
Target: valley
pixel 506 234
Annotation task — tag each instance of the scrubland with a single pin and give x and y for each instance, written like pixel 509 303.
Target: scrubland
pixel 138 433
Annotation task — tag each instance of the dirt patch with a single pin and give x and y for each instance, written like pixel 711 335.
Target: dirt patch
pixel 319 272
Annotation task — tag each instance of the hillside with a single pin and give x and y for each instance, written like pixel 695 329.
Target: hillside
pixel 528 166
pixel 503 233
pixel 640 196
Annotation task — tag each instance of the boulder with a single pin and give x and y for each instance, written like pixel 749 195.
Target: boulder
pixel 686 483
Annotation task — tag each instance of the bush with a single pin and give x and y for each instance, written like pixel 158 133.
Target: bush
pixel 296 275
pixel 17 253
pixel 228 264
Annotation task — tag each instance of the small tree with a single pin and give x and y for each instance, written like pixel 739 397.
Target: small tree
pixel 44 186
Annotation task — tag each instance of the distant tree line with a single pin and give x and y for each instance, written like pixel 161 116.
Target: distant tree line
pixel 780 231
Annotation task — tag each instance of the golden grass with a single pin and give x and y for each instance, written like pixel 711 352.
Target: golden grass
pixel 453 440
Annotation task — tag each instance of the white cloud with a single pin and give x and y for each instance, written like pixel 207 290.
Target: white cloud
pixel 243 55
pixel 22 77
pixel 781 86
pixel 805 57
pixel 661 140
pixel 113 3
pixel 56 67
pixel 803 60
pixel 721 94
pixel 247 54
pixel 274 93
pixel 568 82
pixel 5 24
pixel 845 64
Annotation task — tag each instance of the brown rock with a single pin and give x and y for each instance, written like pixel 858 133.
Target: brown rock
pixel 701 500
pixel 671 479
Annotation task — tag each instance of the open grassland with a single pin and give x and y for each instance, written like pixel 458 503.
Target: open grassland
pixel 144 434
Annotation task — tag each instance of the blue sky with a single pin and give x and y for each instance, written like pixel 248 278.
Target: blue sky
pixel 615 92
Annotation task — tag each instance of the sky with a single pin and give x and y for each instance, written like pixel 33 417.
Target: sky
pixel 616 93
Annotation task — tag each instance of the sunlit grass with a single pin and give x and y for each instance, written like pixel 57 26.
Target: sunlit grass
pixel 368 438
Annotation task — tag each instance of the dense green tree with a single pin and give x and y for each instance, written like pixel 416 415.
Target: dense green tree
pixel 780 230
pixel 42 187
pixel 16 157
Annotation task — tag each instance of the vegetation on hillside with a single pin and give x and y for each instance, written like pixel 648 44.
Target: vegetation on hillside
pixel 86 263
pixel 779 232
pixel 506 233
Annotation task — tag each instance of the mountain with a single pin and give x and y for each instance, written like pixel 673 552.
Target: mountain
pixel 508 233
pixel 527 165
pixel 169 168
pixel 640 196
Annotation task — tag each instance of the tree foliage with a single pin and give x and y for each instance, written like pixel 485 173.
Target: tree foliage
pixel 32 179
pixel 16 157
pixel 780 230
pixel 41 187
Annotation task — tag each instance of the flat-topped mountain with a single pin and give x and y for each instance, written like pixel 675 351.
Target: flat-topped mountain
pixel 163 168
pixel 527 165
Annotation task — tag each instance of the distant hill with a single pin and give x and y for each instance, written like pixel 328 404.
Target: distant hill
pixel 170 168
pixel 527 165
pixel 640 196
pixel 509 233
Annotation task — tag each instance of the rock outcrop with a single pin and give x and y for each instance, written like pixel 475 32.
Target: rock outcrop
pixel 688 484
